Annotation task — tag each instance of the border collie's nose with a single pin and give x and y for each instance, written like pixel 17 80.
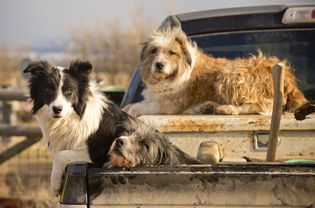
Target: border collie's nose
pixel 57 109
pixel 159 66
pixel 120 142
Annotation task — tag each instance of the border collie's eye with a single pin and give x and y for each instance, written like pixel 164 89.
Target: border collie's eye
pixel 68 91
pixel 49 91
pixel 172 52
pixel 153 51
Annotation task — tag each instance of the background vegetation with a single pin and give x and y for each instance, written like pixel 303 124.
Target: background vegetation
pixel 114 51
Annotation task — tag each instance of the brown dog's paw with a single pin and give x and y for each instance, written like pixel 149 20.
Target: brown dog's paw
pixel 134 110
pixel 207 109
pixel 305 110
pixel 226 110
pixel 204 108
pixel 190 111
pixel 126 108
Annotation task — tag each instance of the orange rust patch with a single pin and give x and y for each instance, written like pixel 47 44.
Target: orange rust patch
pixel 245 141
pixel 187 125
pixel 213 123
pixel 262 121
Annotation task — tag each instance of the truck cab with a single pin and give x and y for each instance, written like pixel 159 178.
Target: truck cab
pixel 239 176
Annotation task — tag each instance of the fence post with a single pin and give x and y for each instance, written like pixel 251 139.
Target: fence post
pixel 6 118
pixel 16 149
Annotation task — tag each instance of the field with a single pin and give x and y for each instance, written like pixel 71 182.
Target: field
pixel 113 50
pixel 24 179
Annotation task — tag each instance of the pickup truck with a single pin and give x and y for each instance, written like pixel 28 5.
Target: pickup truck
pixel 240 177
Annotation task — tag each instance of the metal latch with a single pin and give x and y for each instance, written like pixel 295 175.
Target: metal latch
pixel 261 141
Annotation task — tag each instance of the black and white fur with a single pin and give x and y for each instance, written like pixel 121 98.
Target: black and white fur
pixel 77 121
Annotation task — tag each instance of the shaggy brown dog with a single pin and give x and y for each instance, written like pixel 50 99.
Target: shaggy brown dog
pixel 181 79
pixel 145 146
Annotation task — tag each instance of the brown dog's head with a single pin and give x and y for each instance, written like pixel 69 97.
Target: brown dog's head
pixel 167 57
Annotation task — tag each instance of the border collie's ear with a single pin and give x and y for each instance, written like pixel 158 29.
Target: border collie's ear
pixel 36 66
pixel 81 67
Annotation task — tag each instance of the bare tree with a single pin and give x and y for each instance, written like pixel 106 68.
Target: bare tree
pixel 112 47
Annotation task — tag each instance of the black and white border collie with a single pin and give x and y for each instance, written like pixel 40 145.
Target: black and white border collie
pixel 77 121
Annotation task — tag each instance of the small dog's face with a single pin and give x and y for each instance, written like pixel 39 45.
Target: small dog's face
pixel 62 90
pixel 166 57
pixel 129 151
pixel 144 146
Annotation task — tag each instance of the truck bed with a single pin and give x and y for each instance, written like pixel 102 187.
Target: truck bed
pixel 246 182
pixel 239 136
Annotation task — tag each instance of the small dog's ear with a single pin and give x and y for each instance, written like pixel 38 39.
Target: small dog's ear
pixel 37 66
pixel 81 67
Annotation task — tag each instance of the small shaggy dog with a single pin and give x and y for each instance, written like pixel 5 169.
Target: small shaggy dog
pixel 78 122
pixel 145 146
pixel 182 79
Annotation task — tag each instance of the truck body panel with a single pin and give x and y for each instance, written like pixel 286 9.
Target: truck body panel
pixel 239 136
pixel 242 178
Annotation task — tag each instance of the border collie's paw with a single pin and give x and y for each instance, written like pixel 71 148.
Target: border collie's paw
pixel 56 177
pixel 59 164
pixel 55 186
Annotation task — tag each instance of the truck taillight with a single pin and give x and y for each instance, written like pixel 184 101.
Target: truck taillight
pixel 299 15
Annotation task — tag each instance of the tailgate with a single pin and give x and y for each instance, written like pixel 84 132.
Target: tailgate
pixel 222 185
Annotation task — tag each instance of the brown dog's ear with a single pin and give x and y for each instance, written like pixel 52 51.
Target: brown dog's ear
pixel 183 47
pixel 37 66
pixel 145 46
pixel 78 67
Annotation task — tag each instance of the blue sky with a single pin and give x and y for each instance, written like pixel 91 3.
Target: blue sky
pixel 33 22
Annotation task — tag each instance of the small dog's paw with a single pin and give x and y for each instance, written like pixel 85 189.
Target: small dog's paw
pixel 226 110
pixel 108 165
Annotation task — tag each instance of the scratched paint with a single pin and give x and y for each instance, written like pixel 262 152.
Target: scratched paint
pixel 219 123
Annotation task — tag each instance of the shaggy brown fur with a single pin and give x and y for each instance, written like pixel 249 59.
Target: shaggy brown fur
pixel 191 82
